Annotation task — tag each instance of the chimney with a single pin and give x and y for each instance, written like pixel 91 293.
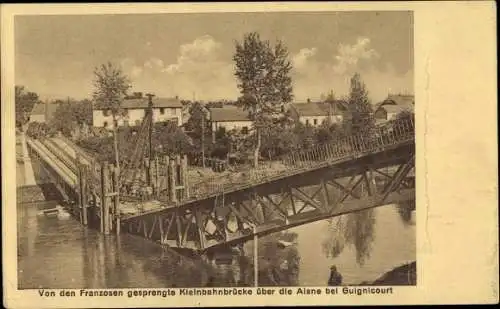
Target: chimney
pixel 177 97
pixel 308 100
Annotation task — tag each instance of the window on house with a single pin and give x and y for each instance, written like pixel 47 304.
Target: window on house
pixel 162 111
pixel 105 124
pixel 315 121
pixel 244 130
pixel 307 122
pixel 282 108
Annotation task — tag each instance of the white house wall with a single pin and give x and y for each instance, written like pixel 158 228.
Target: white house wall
pixel 319 119
pixel 135 117
pixel 230 125
pixel 37 118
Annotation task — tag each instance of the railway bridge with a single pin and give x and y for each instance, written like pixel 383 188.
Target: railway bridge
pixel 351 174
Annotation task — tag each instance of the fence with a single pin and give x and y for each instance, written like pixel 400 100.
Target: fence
pixel 378 139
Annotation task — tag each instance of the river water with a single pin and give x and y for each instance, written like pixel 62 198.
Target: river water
pixel 59 253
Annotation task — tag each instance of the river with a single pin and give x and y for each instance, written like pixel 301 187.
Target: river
pixel 60 253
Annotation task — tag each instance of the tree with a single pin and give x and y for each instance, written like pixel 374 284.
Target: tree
pixel 24 103
pixel 264 78
pixel 360 108
pixel 70 115
pixel 111 86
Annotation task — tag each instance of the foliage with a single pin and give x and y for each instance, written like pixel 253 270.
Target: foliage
pixel 24 103
pixel 198 126
pixel 222 144
pixel 71 114
pixel 360 108
pixel 167 139
pixel 110 87
pixel 278 141
pixel 406 114
pixel 38 130
pixel 263 72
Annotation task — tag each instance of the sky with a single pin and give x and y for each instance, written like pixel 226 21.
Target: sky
pixel 190 55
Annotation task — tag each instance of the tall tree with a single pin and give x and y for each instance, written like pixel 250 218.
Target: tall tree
pixel 24 103
pixel 360 107
pixel 111 86
pixel 264 78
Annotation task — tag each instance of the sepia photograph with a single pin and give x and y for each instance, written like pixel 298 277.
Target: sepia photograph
pixel 215 150
pixel 249 154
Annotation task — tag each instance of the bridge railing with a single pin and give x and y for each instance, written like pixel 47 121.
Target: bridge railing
pixel 376 139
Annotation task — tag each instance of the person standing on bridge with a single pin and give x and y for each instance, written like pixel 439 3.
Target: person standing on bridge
pixel 335 277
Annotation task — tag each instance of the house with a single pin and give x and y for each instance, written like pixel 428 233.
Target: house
pixel 317 113
pixel 38 113
pixel 392 106
pixel 42 112
pixel 164 109
pixel 229 118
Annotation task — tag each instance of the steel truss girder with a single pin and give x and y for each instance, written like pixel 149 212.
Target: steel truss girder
pixel 278 206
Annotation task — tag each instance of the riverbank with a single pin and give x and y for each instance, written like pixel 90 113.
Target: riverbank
pixel 402 275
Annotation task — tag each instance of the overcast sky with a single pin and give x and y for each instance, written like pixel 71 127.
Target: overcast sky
pixel 182 54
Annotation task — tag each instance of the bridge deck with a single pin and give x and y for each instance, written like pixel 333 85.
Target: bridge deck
pixel 55 163
pixel 231 187
pixel 350 148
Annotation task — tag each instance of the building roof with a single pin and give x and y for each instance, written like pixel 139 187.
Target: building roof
pixel 44 109
pixel 142 103
pixel 395 109
pixel 38 109
pixel 397 103
pixel 319 108
pixel 228 114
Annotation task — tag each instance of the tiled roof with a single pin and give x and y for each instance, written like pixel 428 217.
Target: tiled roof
pixel 318 108
pixel 143 103
pixel 397 103
pixel 45 109
pixel 395 108
pixel 228 114
pixel 38 109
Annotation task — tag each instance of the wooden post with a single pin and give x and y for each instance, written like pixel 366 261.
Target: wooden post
pixel 178 177
pixel 116 199
pixel 148 175
pixel 151 167
pixel 172 175
pixel 84 173
pixel 166 164
pixel 157 178
pixel 104 198
pixel 184 176
pixel 79 191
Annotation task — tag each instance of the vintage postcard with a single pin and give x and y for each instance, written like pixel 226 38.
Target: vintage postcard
pixel 249 154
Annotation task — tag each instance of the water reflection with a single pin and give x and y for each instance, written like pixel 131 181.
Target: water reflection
pixel 405 210
pixel 354 229
pixel 57 253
